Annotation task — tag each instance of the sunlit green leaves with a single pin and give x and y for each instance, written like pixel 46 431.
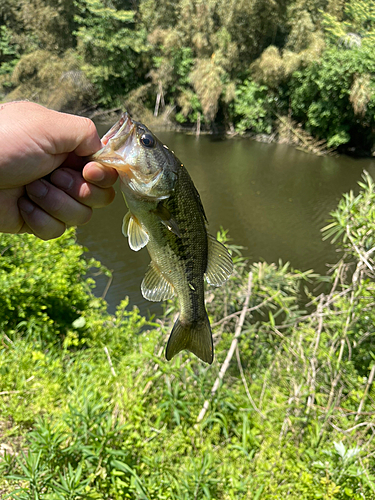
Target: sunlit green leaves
pixel 357 27
pixel 354 220
pixel 132 434
pixel 111 49
pixel 323 96
pixel 253 107
pixel 9 55
pixel 196 62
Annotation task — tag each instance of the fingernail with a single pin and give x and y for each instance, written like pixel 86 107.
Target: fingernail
pixel 62 179
pixel 38 189
pixel 25 205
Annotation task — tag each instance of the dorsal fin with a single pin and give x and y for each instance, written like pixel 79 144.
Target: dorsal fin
pixel 199 201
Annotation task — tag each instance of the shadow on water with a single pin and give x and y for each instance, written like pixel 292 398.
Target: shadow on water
pixel 272 198
pixel 213 138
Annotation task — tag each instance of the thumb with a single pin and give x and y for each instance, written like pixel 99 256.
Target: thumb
pixel 55 133
pixel 68 133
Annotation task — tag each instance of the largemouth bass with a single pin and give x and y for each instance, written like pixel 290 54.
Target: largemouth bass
pixel 166 214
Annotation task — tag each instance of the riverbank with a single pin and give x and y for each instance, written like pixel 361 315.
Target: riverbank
pixel 307 64
pixel 286 131
pixel 94 410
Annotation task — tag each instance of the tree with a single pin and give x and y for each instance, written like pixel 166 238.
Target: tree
pixel 221 40
pixel 111 49
pixel 328 98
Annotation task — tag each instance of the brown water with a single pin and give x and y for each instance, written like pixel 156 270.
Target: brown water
pixel 272 198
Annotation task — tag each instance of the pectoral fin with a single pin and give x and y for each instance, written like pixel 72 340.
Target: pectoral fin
pixel 125 224
pixel 155 287
pixel 166 218
pixel 131 227
pixel 220 265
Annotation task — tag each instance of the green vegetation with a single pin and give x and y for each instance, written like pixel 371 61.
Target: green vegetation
pixel 229 65
pixel 90 409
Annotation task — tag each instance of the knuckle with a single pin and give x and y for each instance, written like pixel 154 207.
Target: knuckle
pixel 54 203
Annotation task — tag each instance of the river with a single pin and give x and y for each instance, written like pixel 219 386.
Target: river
pixel 272 198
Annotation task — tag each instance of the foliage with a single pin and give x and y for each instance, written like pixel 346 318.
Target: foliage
pixel 356 29
pixel 197 63
pixel 355 238
pixel 111 49
pixel 53 80
pixel 220 46
pixel 93 410
pixel 352 226
pixel 43 305
pixel 39 24
pixel 254 108
pixel 324 93
pixel 8 55
pixel 334 96
pixel 79 42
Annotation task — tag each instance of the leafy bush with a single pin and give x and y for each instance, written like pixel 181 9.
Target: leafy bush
pixel 8 55
pixel 44 287
pixel 322 97
pixel 220 65
pixel 252 107
pixel 102 415
pixel 111 49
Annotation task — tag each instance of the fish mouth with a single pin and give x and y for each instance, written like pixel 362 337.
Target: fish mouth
pixel 116 142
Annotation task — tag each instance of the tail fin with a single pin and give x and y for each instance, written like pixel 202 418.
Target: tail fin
pixel 195 337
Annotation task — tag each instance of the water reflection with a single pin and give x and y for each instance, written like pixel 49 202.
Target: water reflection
pixel 273 199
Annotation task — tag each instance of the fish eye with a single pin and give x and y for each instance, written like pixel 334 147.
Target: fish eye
pixel 147 140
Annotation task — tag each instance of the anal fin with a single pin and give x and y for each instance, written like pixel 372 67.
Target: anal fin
pixel 155 287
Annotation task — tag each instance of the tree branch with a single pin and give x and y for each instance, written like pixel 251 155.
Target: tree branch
pixel 232 348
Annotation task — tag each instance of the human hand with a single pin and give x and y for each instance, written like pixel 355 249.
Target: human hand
pixel 37 142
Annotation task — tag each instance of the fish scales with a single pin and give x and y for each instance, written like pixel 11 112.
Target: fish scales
pixel 188 252
pixel 166 215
